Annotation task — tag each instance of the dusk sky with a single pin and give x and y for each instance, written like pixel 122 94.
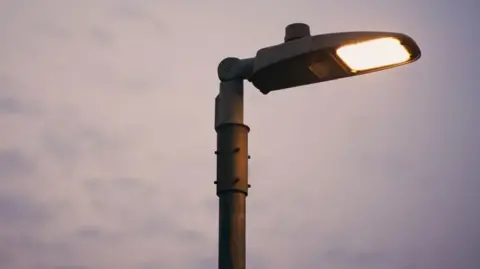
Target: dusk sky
pixel 107 146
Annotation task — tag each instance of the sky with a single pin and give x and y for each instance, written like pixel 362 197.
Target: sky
pixel 106 152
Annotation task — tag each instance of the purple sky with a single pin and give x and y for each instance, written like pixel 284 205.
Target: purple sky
pixel 106 152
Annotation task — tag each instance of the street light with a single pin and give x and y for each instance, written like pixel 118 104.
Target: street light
pixel 301 60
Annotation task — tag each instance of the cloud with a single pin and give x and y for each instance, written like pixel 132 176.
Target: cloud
pixel 69 140
pixel 129 10
pixel 41 254
pixel 68 266
pixel 15 163
pixel 151 265
pixel 211 262
pixel 18 211
pixel 6 259
pixel 10 105
pixel 101 36
pixel 12 102
pixel 50 29
pixel 89 233
pixel 358 259
pixel 119 197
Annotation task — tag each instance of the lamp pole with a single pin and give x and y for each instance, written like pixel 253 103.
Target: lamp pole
pixel 232 155
pixel 301 60
pixel 232 162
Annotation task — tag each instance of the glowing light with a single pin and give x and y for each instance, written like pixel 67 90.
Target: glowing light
pixel 373 54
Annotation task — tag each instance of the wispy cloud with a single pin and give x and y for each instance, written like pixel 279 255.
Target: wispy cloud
pixel 17 211
pixel 14 163
pixel 102 36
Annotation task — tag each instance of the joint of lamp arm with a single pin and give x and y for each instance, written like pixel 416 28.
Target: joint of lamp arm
pixel 235 69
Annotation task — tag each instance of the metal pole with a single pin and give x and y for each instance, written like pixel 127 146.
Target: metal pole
pixel 232 173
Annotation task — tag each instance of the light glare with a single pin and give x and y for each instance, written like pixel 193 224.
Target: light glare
pixel 373 54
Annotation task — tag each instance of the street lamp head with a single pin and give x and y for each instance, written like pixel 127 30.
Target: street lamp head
pixel 304 59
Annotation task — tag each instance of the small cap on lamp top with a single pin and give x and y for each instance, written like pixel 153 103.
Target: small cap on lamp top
pixel 296 31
